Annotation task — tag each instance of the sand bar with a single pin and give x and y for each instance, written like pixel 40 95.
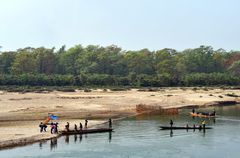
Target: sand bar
pixel 20 113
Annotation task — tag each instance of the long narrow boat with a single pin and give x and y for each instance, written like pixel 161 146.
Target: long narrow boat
pixel 86 131
pixel 181 127
pixel 202 115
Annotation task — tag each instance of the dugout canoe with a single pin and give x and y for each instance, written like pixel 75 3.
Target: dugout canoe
pixel 181 128
pixel 86 131
pixel 202 115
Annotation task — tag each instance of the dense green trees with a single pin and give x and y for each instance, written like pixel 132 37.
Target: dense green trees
pixel 112 66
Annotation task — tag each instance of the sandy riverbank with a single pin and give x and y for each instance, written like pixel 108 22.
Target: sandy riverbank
pixel 20 114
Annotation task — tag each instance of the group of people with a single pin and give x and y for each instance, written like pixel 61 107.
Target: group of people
pixel 205 113
pixel 75 126
pixel 43 127
pixel 54 127
pixel 202 125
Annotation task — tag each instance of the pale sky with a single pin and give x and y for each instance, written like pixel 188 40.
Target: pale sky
pixel 130 24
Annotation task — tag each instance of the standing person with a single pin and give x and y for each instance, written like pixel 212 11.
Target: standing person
pixel 214 113
pixel 171 123
pixel 194 126
pixel 203 124
pixel 193 110
pixel 67 126
pixel 52 128
pixel 56 127
pixel 45 127
pixel 110 123
pixel 75 127
pixel 80 126
pixel 86 122
pixel 41 127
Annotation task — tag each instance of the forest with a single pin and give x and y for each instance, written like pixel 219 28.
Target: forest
pixel 96 65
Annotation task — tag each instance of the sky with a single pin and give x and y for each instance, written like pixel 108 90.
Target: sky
pixel 129 24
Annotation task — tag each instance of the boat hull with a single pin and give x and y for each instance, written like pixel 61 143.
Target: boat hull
pixel 201 115
pixel 182 128
pixel 86 131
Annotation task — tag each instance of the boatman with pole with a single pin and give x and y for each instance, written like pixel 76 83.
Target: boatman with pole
pixel 110 123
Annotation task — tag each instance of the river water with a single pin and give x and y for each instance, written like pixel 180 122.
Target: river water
pixel 140 137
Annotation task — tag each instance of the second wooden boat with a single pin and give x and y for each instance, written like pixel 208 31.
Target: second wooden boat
pixel 182 127
pixel 202 115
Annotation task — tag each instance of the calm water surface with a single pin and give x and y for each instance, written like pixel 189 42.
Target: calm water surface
pixel 140 137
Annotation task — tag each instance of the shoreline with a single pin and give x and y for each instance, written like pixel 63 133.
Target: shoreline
pixel 97 106
pixel 9 144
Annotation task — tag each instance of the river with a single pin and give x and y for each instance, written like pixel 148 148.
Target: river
pixel 140 137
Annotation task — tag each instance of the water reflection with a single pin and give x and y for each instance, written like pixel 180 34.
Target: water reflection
pixel 203 131
pixel 171 133
pixel 75 138
pixel 213 120
pixel 53 143
pixel 80 138
pixel 41 144
pixel 67 139
pixel 110 137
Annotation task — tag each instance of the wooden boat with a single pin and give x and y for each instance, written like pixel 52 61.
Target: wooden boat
pixel 202 115
pixel 86 131
pixel 182 127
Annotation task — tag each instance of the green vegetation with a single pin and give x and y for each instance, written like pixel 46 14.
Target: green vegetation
pixel 114 67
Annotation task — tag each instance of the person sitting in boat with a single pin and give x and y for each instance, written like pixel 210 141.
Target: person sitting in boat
pixel 171 123
pixel 213 113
